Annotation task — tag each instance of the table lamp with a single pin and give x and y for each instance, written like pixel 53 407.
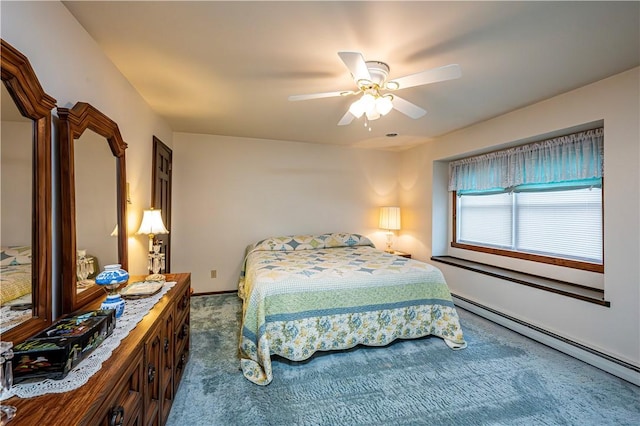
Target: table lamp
pixel 389 220
pixel 152 225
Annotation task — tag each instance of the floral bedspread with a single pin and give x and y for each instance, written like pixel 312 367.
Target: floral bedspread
pixel 15 272
pixel 303 294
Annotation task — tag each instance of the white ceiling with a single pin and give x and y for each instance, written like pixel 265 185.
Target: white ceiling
pixel 227 68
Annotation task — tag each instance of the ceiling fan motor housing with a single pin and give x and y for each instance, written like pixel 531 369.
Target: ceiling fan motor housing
pixel 379 72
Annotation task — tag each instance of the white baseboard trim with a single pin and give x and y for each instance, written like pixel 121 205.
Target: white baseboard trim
pixel 602 361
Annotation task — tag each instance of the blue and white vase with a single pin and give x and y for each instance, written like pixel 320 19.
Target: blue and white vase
pixel 111 278
pixel 112 275
pixel 114 301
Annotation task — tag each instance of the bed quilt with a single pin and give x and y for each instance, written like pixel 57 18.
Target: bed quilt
pixel 15 272
pixel 303 294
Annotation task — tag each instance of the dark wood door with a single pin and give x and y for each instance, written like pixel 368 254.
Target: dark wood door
pixel 161 193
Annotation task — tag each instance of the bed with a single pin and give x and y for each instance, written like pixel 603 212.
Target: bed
pixel 309 293
pixel 15 285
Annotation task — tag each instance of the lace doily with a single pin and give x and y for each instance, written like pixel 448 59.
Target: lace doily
pixel 134 311
pixel 9 318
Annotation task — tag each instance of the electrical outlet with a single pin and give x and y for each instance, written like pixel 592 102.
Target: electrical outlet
pixel 214 273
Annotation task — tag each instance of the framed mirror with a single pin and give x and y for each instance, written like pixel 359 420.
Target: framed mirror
pixel 25 275
pixel 93 201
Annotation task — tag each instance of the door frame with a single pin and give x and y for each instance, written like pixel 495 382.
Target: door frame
pixel 166 212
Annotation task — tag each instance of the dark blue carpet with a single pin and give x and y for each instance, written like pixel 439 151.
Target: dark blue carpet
pixel 502 378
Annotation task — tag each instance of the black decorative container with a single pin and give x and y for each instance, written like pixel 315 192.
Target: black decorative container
pixel 54 352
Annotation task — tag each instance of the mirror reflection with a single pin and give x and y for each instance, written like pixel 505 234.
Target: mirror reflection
pixel 92 201
pixel 16 180
pixel 96 214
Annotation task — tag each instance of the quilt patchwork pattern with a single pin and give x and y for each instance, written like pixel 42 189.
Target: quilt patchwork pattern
pixel 16 255
pixel 298 301
pixel 311 242
pixel 15 281
pixel 15 272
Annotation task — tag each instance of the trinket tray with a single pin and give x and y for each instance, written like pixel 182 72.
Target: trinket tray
pixel 141 289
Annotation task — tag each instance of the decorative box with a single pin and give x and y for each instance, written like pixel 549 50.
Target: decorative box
pixel 54 352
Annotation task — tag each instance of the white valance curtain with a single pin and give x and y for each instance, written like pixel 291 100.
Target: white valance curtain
pixel 573 157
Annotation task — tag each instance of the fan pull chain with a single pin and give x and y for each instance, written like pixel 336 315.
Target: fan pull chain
pixel 366 123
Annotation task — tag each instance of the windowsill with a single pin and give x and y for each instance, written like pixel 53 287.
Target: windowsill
pixel 564 288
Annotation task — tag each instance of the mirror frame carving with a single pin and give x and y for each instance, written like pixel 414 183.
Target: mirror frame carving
pixel 72 124
pixel 24 87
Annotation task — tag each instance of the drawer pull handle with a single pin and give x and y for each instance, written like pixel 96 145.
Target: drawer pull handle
pixel 116 416
pixel 151 373
pixel 166 344
pixel 183 360
pixel 184 331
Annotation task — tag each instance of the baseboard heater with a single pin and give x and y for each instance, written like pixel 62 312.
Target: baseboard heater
pixel 612 365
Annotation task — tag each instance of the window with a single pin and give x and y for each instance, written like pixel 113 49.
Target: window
pixel 565 224
pixel 541 202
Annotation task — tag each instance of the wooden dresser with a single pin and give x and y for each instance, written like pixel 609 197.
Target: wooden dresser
pixel 137 384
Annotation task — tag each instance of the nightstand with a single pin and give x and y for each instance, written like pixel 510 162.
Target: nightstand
pixel 402 254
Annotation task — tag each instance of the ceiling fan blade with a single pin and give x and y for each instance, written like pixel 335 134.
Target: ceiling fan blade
pixel 356 65
pixel 320 95
pixel 407 108
pixel 447 72
pixel 346 119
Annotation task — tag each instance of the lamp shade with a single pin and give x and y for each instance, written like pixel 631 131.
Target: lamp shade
pixel 390 218
pixel 384 104
pixel 372 114
pixel 152 223
pixel 357 108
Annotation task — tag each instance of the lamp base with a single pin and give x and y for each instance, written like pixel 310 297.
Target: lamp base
pixel 389 242
pixel 7 412
pixel 114 301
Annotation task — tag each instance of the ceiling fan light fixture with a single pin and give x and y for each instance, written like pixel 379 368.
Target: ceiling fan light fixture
pixel 373 114
pixel 391 85
pixel 363 83
pixel 357 108
pixel 384 104
pixel 368 101
pixel 370 78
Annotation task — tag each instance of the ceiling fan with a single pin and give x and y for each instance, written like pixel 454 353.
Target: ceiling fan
pixel 372 81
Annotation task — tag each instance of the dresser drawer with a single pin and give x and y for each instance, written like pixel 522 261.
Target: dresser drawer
pixel 182 337
pixel 168 357
pixel 181 361
pixel 183 304
pixel 124 407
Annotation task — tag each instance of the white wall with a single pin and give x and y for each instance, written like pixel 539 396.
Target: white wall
pixel 16 180
pixel 71 67
pixel 614 330
pixel 231 192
